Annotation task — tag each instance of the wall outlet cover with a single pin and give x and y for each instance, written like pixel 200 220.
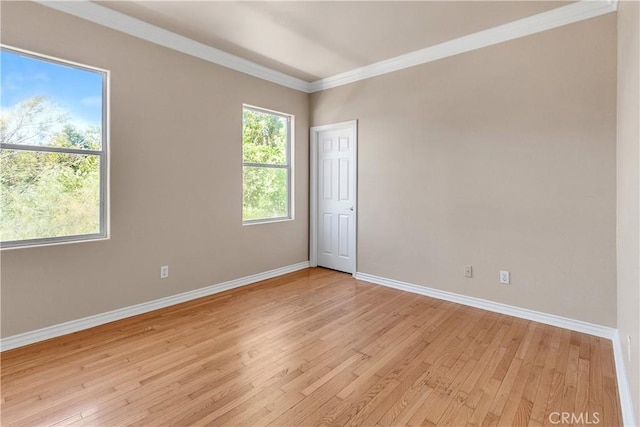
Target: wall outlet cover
pixel 504 277
pixel 468 271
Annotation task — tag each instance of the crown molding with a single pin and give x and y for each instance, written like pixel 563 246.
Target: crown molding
pixel 554 18
pixel 143 30
pixel 575 12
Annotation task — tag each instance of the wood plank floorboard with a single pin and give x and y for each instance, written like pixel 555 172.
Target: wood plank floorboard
pixel 314 347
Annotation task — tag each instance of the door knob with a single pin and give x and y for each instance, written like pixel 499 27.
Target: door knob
pixel 351 208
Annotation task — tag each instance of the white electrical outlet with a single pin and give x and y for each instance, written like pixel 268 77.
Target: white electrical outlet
pixel 504 277
pixel 628 348
pixel 164 271
pixel 468 271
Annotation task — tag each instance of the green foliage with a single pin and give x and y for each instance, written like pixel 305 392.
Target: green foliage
pixel 47 194
pixel 264 138
pixel 70 137
pixel 264 141
pixel 265 193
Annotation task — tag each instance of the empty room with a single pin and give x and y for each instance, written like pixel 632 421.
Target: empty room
pixel 304 213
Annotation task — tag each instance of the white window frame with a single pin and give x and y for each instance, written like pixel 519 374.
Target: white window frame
pixel 289 166
pixel 102 154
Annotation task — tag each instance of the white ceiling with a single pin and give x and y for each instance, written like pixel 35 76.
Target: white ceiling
pixel 314 40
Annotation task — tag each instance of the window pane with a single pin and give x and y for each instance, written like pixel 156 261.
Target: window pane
pixel 47 195
pixel 265 193
pixel 46 103
pixel 264 138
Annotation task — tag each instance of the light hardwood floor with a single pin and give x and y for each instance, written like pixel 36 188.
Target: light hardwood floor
pixel 315 347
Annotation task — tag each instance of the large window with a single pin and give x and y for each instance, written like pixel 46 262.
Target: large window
pixel 266 167
pixel 53 150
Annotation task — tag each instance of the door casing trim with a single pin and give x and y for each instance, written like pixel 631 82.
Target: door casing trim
pixel 313 190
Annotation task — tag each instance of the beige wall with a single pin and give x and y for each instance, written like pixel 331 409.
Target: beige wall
pixel 629 191
pixel 176 179
pixel 503 158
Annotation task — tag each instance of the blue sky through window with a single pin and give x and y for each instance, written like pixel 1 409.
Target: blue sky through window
pixel 78 92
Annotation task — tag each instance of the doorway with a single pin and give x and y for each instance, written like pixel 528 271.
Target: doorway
pixel 333 214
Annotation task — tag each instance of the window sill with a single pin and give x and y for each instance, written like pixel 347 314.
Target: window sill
pixel 54 243
pixel 266 221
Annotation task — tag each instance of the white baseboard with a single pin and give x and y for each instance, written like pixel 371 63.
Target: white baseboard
pixel 523 313
pixel 537 316
pixel 626 403
pixel 26 338
pixel 549 319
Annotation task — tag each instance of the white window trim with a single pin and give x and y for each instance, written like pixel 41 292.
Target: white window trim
pixel 104 233
pixel 290 176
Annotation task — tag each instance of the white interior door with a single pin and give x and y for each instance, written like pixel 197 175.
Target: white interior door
pixel 335 210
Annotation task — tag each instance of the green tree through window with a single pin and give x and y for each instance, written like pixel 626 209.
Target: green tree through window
pixel 266 165
pixel 52 163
